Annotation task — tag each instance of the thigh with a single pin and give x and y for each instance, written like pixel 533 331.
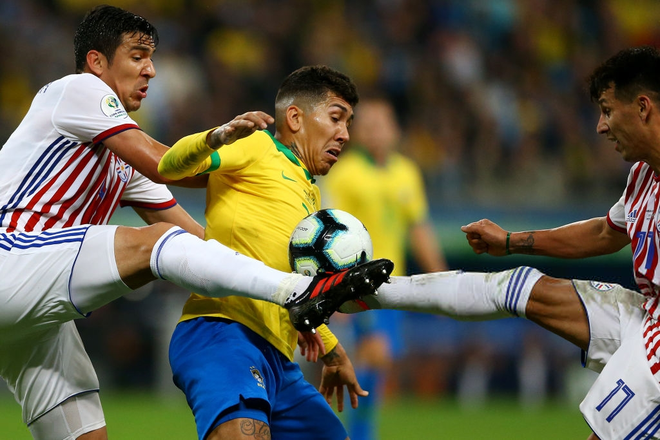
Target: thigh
pixel 46 368
pixel 624 402
pixel 35 269
pixel 300 411
pixel 613 313
pixel 555 305
pixel 221 367
pixel 95 279
pixel 74 417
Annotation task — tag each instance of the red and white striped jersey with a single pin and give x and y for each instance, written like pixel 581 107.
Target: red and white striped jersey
pixel 637 214
pixel 56 172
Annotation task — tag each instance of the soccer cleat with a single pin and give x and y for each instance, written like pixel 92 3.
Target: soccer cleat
pixel 328 291
pixel 361 304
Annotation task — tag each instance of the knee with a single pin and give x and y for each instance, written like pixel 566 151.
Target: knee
pixel 140 240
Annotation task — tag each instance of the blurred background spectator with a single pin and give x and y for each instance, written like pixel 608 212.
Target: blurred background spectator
pixel 491 100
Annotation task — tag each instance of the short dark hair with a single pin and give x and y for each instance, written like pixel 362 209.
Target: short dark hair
pixel 313 83
pixel 630 71
pixel 103 29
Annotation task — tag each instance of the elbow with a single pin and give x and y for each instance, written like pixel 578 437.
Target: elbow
pixel 165 174
pixel 160 178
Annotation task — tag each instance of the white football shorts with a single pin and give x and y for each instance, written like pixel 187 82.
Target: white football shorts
pixel 624 401
pixel 48 279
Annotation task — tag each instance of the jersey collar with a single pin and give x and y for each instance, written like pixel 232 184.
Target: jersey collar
pixel 292 157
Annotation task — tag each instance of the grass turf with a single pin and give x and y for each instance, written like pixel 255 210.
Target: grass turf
pixel 146 417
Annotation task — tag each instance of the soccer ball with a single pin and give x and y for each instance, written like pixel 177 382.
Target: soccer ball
pixel 328 240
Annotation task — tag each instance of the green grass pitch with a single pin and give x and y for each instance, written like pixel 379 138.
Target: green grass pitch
pixel 146 417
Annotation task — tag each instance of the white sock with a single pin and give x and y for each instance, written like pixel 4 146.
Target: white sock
pixel 461 295
pixel 211 269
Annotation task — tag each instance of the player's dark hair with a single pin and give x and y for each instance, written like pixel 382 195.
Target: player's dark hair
pixel 314 82
pixel 631 71
pixel 103 29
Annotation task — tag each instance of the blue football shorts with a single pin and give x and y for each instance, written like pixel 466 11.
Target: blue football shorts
pixel 227 371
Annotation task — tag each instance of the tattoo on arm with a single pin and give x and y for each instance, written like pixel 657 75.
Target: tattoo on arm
pixel 256 429
pixel 527 245
pixel 331 356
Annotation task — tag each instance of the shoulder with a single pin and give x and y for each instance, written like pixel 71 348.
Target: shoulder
pixel 255 145
pixel 257 139
pixel 85 80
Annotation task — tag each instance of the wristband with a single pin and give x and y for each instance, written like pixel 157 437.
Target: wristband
pixel 508 238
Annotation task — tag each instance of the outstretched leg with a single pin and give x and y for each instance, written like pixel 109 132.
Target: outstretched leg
pixel 132 257
pixel 550 302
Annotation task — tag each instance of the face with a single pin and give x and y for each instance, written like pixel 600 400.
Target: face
pixel 131 69
pixel 377 129
pixel 621 123
pixel 323 133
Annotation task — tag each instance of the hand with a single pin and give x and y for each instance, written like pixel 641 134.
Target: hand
pixel 239 127
pixel 310 345
pixel 486 237
pixel 337 372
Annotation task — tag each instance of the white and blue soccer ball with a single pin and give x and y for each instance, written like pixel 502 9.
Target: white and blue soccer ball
pixel 329 240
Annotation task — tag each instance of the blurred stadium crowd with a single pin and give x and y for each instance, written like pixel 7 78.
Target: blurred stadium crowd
pixel 490 94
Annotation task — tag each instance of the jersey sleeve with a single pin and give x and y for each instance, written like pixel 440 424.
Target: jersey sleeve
pixel 189 156
pixel 243 152
pixel 90 111
pixel 616 217
pixel 143 193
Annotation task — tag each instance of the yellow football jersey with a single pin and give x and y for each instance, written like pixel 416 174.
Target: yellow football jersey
pixel 387 199
pixel 257 193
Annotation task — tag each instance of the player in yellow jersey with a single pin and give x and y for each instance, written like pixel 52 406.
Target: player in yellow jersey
pixel 384 189
pixel 231 357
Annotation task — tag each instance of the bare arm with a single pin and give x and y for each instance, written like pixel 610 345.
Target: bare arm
pixel 143 153
pixel 426 248
pixel 175 215
pixel 587 238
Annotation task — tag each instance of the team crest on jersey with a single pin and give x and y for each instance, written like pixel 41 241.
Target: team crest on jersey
pixel 603 287
pixel 111 107
pixel 310 198
pixel 257 375
pixel 123 170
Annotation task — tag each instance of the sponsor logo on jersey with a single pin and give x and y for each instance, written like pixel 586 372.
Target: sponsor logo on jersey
pixel 603 287
pixel 111 107
pixel 123 170
pixel 287 178
pixel 257 375
pixel 632 217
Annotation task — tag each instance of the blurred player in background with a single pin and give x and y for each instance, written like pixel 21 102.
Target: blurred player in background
pixel 233 357
pixel 616 328
pixel 385 190
pixel 76 157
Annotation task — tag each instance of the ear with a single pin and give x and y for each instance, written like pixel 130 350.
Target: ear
pixel 645 105
pixel 294 118
pixel 96 62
